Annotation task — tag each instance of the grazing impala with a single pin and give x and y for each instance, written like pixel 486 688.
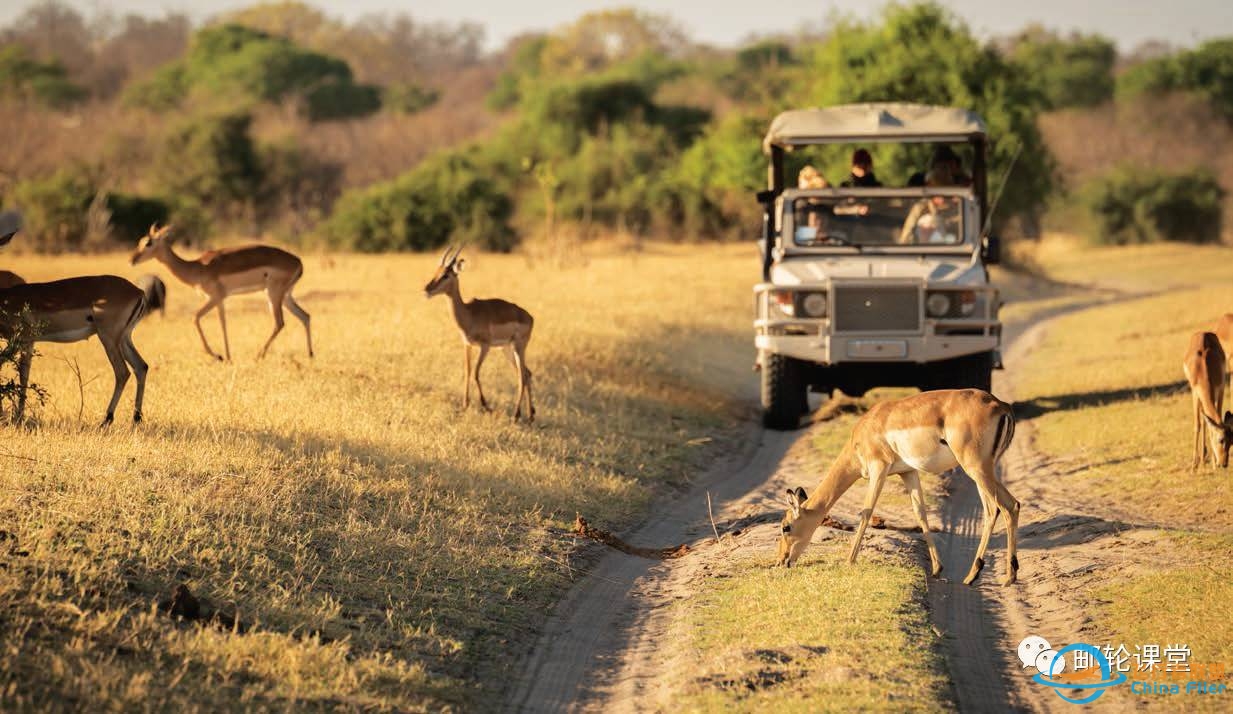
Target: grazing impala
pixel 1204 367
pixel 486 324
pixel 930 432
pixel 72 310
pixel 218 274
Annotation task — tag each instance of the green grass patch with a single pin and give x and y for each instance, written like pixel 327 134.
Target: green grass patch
pixel 824 636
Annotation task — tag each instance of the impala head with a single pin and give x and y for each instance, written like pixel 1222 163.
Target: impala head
pixel 794 535
pixel 448 269
pixel 153 241
pixel 1220 437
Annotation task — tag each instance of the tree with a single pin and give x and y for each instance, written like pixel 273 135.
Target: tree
pixel 923 53
pixel 1206 71
pixel 1076 71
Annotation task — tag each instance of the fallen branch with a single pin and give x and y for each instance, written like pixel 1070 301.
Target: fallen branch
pixel 584 529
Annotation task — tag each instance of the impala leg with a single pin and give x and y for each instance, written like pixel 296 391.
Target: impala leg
pixel 276 310
pixel 139 368
pixel 479 362
pixel 911 480
pixel 987 485
pixel 302 315
pixel 876 478
pixel 524 379
pixel 1199 435
pixel 1010 507
pixel 466 380
pixel 222 320
pixel 118 365
pixel 202 312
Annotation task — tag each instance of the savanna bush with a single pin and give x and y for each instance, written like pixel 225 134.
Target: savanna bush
pixel 212 160
pixel 1206 71
pixel 1131 205
pixel 47 83
pixel 449 197
pixel 235 62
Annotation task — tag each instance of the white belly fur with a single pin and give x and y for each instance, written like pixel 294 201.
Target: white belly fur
pixel 249 281
pixel 920 449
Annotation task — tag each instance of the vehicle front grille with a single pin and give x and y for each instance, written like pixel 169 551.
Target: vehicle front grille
pixel 877 308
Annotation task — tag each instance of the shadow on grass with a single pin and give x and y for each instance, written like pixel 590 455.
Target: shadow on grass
pixel 1033 408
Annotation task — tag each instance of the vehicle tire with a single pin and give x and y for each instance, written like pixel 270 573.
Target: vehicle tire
pixel 783 392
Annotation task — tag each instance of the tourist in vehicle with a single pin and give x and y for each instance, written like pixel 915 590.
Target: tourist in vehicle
pixel 862 171
pixel 944 158
pixel 933 219
pixel 809 177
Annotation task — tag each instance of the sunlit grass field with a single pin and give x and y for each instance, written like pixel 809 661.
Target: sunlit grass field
pixel 381 548
pixel 1107 396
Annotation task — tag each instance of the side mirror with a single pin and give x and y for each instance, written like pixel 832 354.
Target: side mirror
pixel 991 250
pixel 765 196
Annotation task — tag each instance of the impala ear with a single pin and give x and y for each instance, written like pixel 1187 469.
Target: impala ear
pixel 801 495
pixel 1228 418
pixel 458 265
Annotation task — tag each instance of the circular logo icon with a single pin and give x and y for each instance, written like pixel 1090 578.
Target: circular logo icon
pixel 1108 677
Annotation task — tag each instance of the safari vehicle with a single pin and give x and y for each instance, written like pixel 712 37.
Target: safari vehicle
pixel 868 287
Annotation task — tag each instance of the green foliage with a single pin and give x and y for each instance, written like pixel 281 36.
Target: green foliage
pixel 232 61
pixel 1066 72
pixel 922 53
pixel 54 209
pixel 213 161
pixel 1206 71
pixel 23 328
pixel 409 98
pixel 710 190
pixel 44 82
pixel 1131 205
pixel 449 197
pixel 760 74
pixel 132 215
pixel 340 100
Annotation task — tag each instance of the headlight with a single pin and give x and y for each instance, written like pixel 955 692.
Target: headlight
pixel 937 304
pixel 967 303
pixel 783 299
pixel 813 304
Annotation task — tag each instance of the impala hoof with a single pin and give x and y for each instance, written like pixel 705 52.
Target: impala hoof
pixel 1008 580
pixel 978 566
pixel 136 417
pixel 107 421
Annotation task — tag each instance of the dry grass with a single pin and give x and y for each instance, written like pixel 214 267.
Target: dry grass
pixel 386 550
pixel 1106 394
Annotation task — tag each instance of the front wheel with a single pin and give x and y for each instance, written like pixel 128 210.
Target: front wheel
pixel 783 392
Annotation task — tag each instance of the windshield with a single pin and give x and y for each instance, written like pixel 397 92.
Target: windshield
pixel 824 221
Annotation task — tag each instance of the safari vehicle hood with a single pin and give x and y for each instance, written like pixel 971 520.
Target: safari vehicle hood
pixel 815 269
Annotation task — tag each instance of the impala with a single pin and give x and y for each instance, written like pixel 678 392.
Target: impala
pixel 1204 367
pixel 930 432
pixel 218 274
pixel 72 310
pixel 485 324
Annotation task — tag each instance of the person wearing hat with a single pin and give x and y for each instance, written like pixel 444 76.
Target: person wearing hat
pixel 862 171
pixel 944 158
pixel 933 219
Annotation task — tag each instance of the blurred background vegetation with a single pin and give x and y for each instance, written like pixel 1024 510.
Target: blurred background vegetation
pixel 390 134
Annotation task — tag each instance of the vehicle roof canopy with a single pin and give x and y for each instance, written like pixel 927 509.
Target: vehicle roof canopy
pixel 873 122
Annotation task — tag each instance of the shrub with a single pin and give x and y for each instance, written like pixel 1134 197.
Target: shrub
pixel 235 61
pixel 1130 205
pixel 213 161
pixel 448 197
pixel 1075 71
pixel 409 98
pixel 45 82
pixel 1206 71
pixel 54 209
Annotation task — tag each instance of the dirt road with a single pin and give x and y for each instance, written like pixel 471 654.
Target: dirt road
pixel 601 648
